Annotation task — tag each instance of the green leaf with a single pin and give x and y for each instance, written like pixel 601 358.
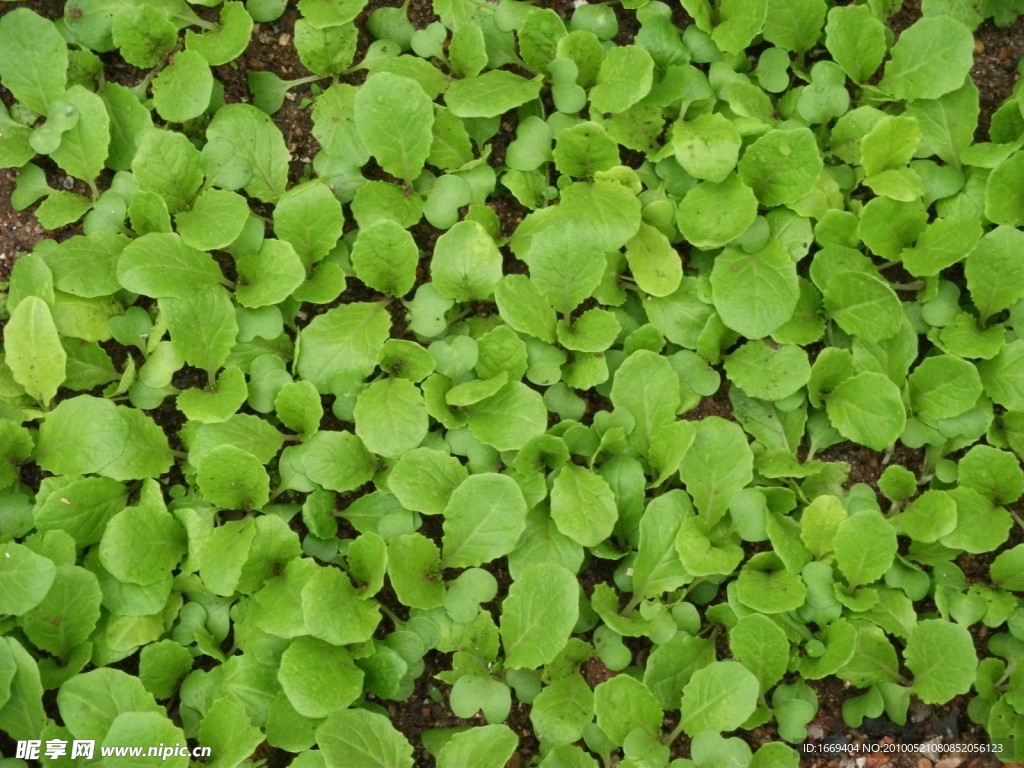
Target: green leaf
pixel 704 554
pixel 566 265
pixel 947 123
pixel 227 42
pixel 890 144
pixel 468 50
pixel 646 387
pixel 981 526
pixel 929 517
pixel 718 464
pixel 865 545
pixel 593 331
pixel 67 616
pixel 88 435
pixel 583 150
pixel 129 123
pixel 218 404
pixel 357 738
pixel 414 567
pixel 992 277
pixel 538 615
pixel 33 350
pixel 715 213
pixel 874 659
pixel 539 36
pixel 83 149
pixel 507 420
pixel 768 371
pixel 227 729
pixel 391 417
pixel 91 502
pixel 943 243
pixel 941 655
pixel 33 59
pixel 345 339
pixel 61 208
pixel 867 409
pixel 245 150
pixel 943 386
pixel 1003 376
pixel 203 327
pixel 162 265
pixel 268 276
pixel 490 94
pixel 182 90
pixel 863 305
pixel 623 704
pixel 319 679
pixel 298 407
pixel 232 478
pixel 761 645
pixel 423 479
pixel 334 612
pixel 782 165
pixel 993 473
pixel 142 545
pixel 522 306
pixel 657 568
pixel 656 266
pixel 562 710
pixel 466 263
pixel 755 293
pixel 337 461
pixel 326 51
pixel 215 221
pixel 167 164
pixel 707 147
pixel 394 118
pixel 738 23
pixel 162 665
pixel 143 35
pixel 583 505
pixel 931 58
pixel 89 703
pixel 483 519
pixel 486 746
pixel 24 579
pixel 21 714
pixel 385 257
pixel 1007 569
pixel 309 217
pixel 153 728
pixel 625 77
pixel 794 26
pixel 719 697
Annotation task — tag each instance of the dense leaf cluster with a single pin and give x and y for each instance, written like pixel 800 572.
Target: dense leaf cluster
pixel 287 449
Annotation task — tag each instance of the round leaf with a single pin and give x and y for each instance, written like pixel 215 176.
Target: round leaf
pixel 391 417
pixel 719 697
pixel 867 409
pixel 715 213
pixel 755 293
pixel 319 679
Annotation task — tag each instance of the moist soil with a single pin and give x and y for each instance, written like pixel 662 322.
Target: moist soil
pixel 995 71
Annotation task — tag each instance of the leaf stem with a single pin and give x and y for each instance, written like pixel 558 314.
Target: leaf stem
pixel 674 733
pixel 1016 516
pixel 192 18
